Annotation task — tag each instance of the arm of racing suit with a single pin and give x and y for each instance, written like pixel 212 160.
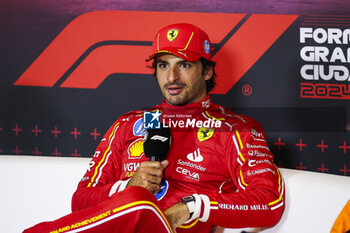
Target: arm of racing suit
pixel 259 200
pixel 101 178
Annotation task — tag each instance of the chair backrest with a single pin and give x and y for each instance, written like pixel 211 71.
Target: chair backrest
pixel 37 189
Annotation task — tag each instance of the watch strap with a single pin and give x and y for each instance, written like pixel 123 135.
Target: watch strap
pixel 190 201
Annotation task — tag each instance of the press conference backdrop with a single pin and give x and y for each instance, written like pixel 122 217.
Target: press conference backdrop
pixel 69 69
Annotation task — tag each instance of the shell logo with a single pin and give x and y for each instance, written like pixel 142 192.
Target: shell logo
pixel 135 149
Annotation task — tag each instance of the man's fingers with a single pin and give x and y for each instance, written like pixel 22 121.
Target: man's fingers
pixel 149 175
pixel 151 183
pixel 157 172
pixel 154 164
pixel 151 178
pixel 164 163
pixel 150 187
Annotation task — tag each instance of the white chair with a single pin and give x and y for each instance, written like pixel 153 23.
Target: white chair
pixel 36 189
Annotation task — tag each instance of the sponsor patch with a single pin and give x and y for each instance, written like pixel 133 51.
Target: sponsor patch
pixel 135 149
pixel 138 129
pixel 97 153
pixel 206 104
pixel 260 171
pixel 191 165
pixel 189 174
pixel 250 146
pixel 253 162
pixel 243 207
pixel 233 207
pixel 257 136
pixel 131 167
pixel 204 134
pixel 195 156
pixel 258 153
pixel 206 47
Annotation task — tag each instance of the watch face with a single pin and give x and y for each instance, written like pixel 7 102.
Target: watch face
pixel 188 198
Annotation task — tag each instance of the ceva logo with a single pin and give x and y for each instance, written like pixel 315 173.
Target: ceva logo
pixel 98 44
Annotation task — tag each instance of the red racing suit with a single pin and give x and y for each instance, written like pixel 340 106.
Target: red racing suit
pixel 214 153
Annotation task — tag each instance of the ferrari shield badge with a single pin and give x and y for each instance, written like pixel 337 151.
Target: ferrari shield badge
pixel 204 134
pixel 172 34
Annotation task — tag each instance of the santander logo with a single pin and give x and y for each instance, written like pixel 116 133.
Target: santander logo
pixel 195 156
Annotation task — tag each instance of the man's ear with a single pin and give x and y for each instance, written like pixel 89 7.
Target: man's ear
pixel 208 73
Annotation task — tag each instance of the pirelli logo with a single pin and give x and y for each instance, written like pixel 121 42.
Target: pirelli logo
pixel 98 44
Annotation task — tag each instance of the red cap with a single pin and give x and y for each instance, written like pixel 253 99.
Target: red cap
pixel 184 40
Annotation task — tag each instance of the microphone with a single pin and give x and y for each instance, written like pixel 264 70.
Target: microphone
pixel 156 143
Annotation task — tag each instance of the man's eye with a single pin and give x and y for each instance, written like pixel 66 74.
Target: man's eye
pixel 162 65
pixel 185 65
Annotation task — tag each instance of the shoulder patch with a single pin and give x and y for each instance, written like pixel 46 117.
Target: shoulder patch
pixel 138 129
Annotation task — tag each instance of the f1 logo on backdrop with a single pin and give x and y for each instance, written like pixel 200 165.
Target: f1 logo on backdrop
pixel 100 43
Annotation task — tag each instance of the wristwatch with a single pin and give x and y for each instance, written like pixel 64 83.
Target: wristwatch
pixel 190 201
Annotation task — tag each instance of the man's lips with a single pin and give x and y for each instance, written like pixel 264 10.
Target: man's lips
pixel 174 89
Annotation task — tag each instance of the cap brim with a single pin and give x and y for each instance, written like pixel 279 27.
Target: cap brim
pixel 184 54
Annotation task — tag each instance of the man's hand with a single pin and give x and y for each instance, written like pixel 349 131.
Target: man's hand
pixel 177 215
pixel 149 175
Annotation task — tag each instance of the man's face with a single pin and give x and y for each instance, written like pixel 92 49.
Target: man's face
pixel 181 82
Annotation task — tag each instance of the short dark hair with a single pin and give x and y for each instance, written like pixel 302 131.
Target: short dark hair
pixel 210 84
pixel 206 64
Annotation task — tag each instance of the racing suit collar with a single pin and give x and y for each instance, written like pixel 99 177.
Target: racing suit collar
pixel 191 108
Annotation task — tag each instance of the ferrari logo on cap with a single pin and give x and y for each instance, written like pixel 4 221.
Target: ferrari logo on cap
pixel 172 34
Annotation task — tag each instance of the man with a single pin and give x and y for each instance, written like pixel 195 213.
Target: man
pixel 219 170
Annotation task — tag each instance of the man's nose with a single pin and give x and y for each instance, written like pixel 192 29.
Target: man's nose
pixel 173 74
